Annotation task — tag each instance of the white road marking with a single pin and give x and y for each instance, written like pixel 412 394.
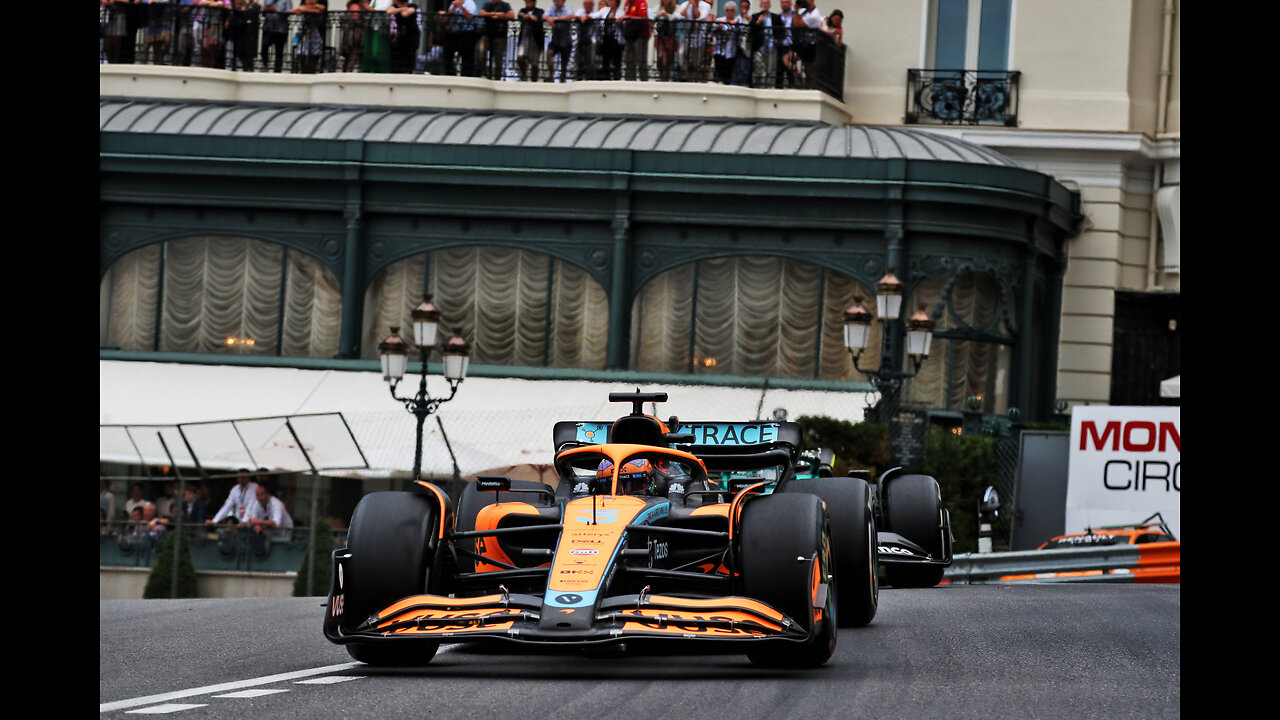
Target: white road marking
pixel 329 680
pixel 224 687
pixel 162 709
pixel 254 693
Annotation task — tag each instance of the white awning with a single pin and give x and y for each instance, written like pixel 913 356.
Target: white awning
pixel 491 423
pixel 1171 388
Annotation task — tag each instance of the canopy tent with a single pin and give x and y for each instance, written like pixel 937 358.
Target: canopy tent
pixel 1171 388
pixel 492 423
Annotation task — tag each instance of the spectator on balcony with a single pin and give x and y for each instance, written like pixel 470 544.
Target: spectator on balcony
pixel 787 58
pixel 807 30
pixel 404 35
pixel 161 15
pixel 726 35
pixel 242 29
pixel 461 38
pixel 136 499
pixel 742 67
pixel 693 18
pixel 107 499
pixel 154 523
pixel 167 499
pixel 270 515
pixel 208 24
pixel 353 40
pixel 833 26
pixel 275 30
pixel 497 15
pixel 532 38
pixel 117 29
pixel 664 37
pixel 560 45
pixel 766 41
pixel 193 506
pixel 636 31
pixel 611 41
pixel 587 39
pixel 310 38
pixel 241 497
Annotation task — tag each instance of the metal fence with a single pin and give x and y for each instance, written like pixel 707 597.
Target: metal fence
pixel 963 97
pixel 509 50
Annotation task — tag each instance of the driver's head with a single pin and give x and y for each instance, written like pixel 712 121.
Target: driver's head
pixel 634 476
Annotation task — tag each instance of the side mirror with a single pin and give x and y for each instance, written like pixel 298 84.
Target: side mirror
pixel 990 500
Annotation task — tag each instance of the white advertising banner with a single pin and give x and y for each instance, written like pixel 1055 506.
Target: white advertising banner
pixel 1124 465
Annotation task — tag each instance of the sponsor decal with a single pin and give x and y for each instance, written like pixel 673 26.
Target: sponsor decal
pixel 568 599
pixel 584 551
pixel 580 489
pixel 1124 463
pixel 659 550
pixel 676 489
pixel 894 550
pixel 335 606
pixel 732 433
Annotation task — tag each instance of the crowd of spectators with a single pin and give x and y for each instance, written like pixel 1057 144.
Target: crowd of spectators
pixel 250 506
pixel 601 39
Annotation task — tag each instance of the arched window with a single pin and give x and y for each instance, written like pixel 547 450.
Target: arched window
pixel 747 315
pixel 515 307
pixel 221 295
pixel 959 368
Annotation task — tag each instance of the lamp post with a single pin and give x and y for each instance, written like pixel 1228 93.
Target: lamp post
pixel 395 360
pixel 886 379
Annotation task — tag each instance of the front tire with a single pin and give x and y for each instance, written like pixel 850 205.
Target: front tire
pixel 392 539
pixel 853 535
pixel 776 530
pixel 913 509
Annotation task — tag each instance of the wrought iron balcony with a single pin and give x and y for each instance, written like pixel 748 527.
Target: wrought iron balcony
pixel 962 97
pixel 510 50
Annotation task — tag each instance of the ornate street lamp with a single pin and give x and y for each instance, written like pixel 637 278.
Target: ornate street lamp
pixel 394 352
pixel 919 339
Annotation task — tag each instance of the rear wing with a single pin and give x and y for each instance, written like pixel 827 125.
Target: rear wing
pixel 699 438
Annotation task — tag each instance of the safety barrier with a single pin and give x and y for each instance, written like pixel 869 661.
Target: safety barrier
pixel 1149 563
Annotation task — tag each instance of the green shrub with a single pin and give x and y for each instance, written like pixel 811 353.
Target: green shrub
pixel 857 446
pixel 323 568
pixel 964 465
pixel 159 582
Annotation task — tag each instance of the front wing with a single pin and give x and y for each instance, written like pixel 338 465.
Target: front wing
pixel 896 549
pixel 523 618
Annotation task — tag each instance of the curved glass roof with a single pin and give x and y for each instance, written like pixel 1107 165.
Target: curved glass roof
pixel 495 128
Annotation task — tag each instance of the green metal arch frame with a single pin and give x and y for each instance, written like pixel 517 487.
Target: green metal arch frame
pixel 372 270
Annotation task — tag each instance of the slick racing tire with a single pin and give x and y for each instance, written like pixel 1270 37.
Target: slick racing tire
pixel 853 536
pixel 472 501
pixel 392 543
pixel 775 531
pixel 913 509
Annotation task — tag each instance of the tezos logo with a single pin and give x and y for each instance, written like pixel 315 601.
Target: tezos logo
pixel 584 551
pixel 568 599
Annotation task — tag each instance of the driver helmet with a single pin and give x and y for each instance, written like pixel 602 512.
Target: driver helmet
pixel 634 476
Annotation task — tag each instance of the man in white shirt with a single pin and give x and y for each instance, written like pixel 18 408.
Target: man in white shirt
pixel 694 16
pixel 560 43
pixel 270 515
pixel 728 32
pixel 239 500
pixel 807 40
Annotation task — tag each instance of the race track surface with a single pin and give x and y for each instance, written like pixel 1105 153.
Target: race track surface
pixel 1024 651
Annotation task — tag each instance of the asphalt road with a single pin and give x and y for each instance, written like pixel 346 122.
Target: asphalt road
pixel 1024 651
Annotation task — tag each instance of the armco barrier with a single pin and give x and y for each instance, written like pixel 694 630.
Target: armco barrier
pixel 1150 563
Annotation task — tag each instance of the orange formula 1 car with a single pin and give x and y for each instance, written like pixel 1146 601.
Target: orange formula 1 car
pixel 1153 529
pixel 635 546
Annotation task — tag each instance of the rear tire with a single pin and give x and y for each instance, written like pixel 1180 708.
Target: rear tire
pixel 913 509
pixel 853 537
pixel 775 531
pixel 392 542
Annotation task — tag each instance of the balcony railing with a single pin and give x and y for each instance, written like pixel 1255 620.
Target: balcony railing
pixel 962 97
pixel 508 50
